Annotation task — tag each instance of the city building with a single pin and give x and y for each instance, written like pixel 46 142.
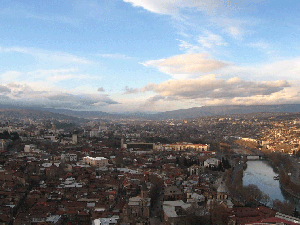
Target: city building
pixel 95 161
pixel 183 146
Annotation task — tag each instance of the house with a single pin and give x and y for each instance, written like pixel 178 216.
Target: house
pixel 195 197
pixel 212 162
pixel 95 161
pixel 174 212
pixel 29 148
pixel 106 221
pixel 137 208
pixel 173 193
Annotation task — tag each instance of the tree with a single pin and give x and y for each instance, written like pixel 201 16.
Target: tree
pixel 284 207
pixel 14 136
pixel 218 214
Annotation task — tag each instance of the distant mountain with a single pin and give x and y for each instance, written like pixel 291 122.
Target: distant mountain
pixel 10 113
pixel 65 112
pixel 176 114
pixel 225 110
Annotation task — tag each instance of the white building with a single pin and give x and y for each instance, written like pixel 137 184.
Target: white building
pixel 29 148
pixel 95 161
pixel 194 197
pixel 211 162
pixel 69 157
pixel 74 139
pixel 174 211
pixel 94 133
pixel 106 221
pixel 182 146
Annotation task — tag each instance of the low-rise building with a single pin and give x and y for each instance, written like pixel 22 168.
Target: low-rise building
pixel 174 212
pixel 95 161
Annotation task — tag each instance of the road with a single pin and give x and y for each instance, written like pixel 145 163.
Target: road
pixel 156 214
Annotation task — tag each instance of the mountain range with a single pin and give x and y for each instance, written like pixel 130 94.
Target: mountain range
pixel 175 114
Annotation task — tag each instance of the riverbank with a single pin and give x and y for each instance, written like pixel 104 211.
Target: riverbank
pixel 289 192
pixel 284 180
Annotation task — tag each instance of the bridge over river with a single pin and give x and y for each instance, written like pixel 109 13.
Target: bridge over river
pixel 255 157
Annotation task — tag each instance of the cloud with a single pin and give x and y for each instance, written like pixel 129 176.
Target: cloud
pixel 24 94
pixel 173 7
pixel 53 18
pixel 46 55
pixel 101 89
pixel 264 47
pixel 235 27
pixel 131 90
pixel 282 69
pixel 209 40
pixel 259 45
pixel 4 89
pixel 49 77
pixel 189 48
pixel 114 56
pixel 10 76
pixel 23 91
pixel 155 98
pixel 235 31
pixel 185 65
pixel 289 95
pixel 81 101
pixel 18 10
pixel 209 87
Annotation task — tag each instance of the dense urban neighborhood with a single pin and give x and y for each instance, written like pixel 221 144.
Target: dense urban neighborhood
pixel 58 169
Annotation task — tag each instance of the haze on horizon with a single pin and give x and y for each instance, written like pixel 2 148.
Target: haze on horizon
pixel 149 56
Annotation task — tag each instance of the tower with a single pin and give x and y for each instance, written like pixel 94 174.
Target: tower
pixel 144 191
pixel 74 139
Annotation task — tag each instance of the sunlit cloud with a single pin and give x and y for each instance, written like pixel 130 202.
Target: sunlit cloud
pixel 281 69
pixel 173 7
pixel 24 94
pixel 210 87
pixel 186 65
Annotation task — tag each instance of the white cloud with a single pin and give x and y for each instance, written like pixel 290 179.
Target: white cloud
pixel 210 40
pixel 289 95
pixel 173 7
pixel 212 88
pixel 208 90
pixel 236 28
pixel 19 10
pixel 189 48
pixel 186 65
pixel 10 76
pixel 235 31
pixel 40 88
pixel 283 69
pixel 114 56
pixel 264 47
pixel 49 77
pixel 46 55
pixel 27 95
pixel 260 45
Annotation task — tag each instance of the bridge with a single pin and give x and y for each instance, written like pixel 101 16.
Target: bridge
pixel 255 157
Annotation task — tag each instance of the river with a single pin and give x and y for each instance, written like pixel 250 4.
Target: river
pixel 260 173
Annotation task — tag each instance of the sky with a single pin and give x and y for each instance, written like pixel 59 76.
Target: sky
pixel 149 55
